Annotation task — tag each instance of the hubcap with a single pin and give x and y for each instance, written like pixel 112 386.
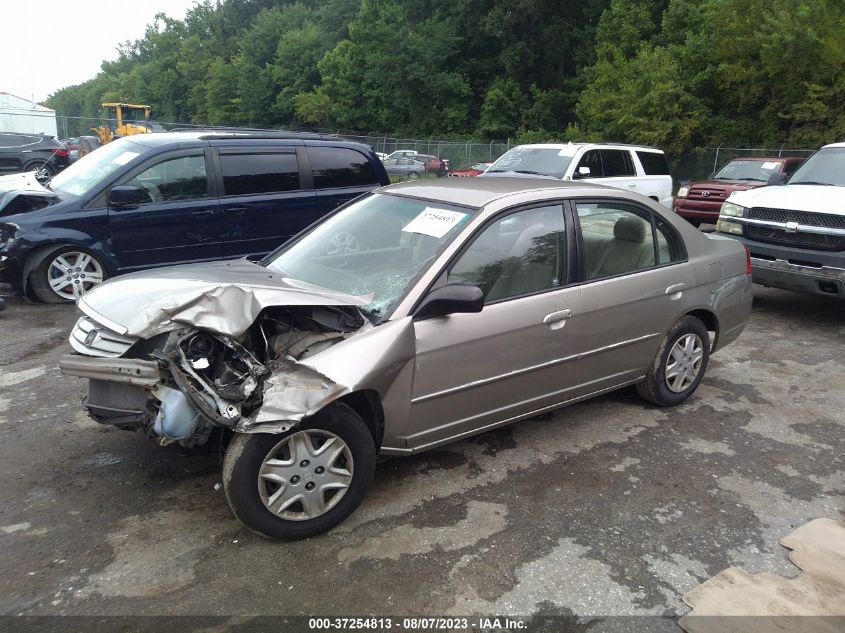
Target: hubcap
pixel 73 274
pixel 684 362
pixel 305 475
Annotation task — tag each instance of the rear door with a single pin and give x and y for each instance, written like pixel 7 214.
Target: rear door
pixel 264 198
pixel 655 180
pixel 634 275
pixel 180 220
pixel 340 174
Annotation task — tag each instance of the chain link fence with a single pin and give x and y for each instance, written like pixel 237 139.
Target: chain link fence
pixel 695 163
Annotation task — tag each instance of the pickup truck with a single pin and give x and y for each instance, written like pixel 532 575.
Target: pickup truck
pixel 794 228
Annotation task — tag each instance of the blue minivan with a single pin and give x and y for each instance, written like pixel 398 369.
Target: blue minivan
pixel 172 198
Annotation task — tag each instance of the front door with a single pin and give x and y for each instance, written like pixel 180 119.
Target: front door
pixel 512 358
pixel 180 220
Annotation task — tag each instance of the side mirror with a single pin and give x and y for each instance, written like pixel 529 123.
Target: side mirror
pixel 777 178
pixel 126 196
pixel 583 172
pixel 450 299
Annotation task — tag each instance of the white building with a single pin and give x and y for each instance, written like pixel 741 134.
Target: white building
pixel 22 115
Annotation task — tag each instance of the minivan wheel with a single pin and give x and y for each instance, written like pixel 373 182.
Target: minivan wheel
pixel 413 175
pixel 679 364
pixel 66 274
pixel 303 482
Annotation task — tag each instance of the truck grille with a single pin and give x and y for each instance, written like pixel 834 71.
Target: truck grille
pixel 811 241
pixel 802 217
pixel 103 342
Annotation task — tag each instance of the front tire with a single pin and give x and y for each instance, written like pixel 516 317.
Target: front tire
pixel 66 274
pixel 679 364
pixel 303 482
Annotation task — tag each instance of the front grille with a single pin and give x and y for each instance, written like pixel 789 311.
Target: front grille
pixel 711 194
pixel 104 343
pixel 826 220
pixel 811 241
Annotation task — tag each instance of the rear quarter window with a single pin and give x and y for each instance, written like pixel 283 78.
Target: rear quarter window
pixel 245 173
pixel 654 164
pixel 340 167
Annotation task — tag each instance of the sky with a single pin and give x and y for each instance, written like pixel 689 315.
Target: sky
pixel 49 44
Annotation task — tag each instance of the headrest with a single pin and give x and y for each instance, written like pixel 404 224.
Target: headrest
pixel 630 229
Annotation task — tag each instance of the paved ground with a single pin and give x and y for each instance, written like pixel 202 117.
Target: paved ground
pixel 608 507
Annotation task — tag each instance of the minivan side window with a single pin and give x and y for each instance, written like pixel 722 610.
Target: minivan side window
pixel 617 163
pixel 340 167
pixel 654 163
pixel 246 173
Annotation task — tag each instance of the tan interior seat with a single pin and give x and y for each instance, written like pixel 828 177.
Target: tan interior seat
pixel 628 250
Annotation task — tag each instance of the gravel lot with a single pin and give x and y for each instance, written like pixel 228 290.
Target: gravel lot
pixel 609 507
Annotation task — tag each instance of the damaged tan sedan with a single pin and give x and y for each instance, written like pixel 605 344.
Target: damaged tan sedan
pixel 414 316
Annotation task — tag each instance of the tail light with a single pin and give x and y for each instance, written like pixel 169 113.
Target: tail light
pixel 61 152
pixel 747 260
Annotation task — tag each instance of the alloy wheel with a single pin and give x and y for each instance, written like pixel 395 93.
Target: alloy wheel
pixel 71 274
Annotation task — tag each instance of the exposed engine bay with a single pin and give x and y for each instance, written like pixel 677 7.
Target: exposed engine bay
pixel 183 384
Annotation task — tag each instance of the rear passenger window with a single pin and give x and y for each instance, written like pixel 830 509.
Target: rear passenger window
pixel 654 163
pixel 245 174
pixel 617 239
pixel 617 163
pixel 669 247
pixel 340 167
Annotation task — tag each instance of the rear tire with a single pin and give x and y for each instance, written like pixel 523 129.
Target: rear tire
pixel 255 462
pixel 86 145
pixel 679 364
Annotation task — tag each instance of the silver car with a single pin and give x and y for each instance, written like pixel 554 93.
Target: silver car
pixel 455 306
pixel 409 167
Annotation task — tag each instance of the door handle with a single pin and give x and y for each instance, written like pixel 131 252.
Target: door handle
pixel 557 319
pixel 676 289
pixel 234 211
pixel 203 212
pixel 634 186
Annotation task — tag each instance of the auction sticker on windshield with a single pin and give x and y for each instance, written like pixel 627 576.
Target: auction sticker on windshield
pixel 434 222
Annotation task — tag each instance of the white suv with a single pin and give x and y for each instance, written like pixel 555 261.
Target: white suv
pixel 632 167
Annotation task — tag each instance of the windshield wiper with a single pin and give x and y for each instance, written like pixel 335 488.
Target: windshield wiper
pixel 757 179
pixel 528 171
pixel 813 182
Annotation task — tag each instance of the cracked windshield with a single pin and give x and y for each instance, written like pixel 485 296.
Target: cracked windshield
pixel 374 248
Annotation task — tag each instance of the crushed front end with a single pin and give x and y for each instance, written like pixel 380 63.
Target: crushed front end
pixel 182 385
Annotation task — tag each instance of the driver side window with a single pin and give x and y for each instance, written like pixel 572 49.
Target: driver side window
pixel 521 253
pixel 182 178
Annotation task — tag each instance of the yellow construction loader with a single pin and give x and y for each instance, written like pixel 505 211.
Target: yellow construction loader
pixel 130 118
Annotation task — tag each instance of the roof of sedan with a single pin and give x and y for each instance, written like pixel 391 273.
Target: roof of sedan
pixel 480 190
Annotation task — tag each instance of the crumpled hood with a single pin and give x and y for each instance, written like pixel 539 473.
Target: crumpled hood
pixel 15 185
pixel 812 198
pixel 223 297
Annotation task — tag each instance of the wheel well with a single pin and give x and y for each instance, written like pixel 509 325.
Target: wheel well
pixel 367 404
pixel 710 322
